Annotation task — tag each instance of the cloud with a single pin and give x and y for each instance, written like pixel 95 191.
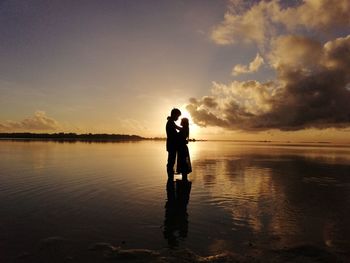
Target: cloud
pixel 252 67
pixel 39 122
pixel 312 85
pixel 311 90
pixel 315 14
pixel 295 52
pixel 260 22
pixel 249 25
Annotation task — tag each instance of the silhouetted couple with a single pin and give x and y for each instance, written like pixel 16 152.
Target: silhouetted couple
pixel 176 145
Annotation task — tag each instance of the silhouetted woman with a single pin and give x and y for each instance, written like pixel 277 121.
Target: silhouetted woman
pixel 183 155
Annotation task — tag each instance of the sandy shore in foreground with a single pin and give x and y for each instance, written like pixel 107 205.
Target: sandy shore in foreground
pixel 59 249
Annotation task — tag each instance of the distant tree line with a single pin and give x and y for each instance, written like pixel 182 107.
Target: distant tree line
pixel 72 136
pixel 61 136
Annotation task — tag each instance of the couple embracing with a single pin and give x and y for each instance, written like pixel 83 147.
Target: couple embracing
pixel 176 145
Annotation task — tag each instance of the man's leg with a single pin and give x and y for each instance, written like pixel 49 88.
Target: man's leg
pixel 171 163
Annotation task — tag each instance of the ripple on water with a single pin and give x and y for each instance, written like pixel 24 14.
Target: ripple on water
pixel 118 192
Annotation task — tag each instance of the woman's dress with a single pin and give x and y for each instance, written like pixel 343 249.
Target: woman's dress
pixel 183 156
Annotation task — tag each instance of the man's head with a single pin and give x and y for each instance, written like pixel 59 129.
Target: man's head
pixel 175 114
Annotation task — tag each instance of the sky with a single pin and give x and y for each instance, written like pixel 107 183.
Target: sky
pixel 244 70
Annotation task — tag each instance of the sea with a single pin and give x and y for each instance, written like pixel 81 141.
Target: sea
pixel 239 196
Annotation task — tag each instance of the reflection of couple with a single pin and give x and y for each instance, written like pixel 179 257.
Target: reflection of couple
pixel 176 145
pixel 176 216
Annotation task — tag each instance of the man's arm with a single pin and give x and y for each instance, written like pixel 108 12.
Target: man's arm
pixel 177 127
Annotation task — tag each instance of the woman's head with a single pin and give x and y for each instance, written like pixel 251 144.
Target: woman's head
pixel 184 122
pixel 185 127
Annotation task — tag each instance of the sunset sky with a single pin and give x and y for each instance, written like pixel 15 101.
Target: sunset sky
pixel 250 70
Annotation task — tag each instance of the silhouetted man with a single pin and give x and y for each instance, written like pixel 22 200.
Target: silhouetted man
pixel 171 140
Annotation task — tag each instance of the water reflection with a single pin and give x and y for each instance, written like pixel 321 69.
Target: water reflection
pixel 176 216
pixel 240 194
pixel 276 198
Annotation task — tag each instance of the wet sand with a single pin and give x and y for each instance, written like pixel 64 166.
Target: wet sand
pixel 59 249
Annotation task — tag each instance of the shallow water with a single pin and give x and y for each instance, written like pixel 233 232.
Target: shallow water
pixel 243 195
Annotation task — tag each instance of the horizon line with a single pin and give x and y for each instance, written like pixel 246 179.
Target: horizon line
pixel 122 136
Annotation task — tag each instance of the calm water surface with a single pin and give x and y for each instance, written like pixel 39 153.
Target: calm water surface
pixel 242 195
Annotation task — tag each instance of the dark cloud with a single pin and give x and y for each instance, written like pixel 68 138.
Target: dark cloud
pixel 311 91
pixel 204 117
